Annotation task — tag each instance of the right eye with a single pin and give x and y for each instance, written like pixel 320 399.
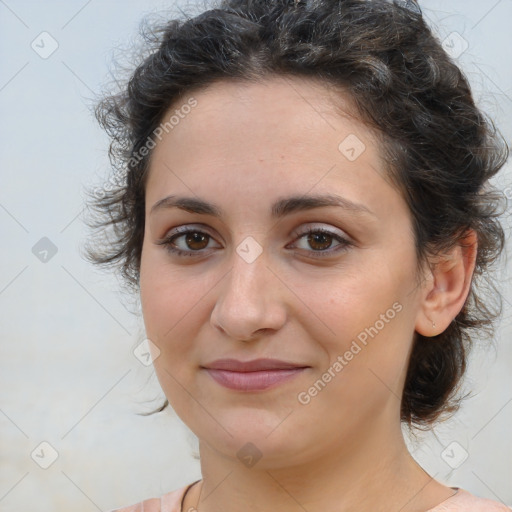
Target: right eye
pixel 193 241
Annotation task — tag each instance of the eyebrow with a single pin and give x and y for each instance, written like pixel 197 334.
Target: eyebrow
pixel 280 208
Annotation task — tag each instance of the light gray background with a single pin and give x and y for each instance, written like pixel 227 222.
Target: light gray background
pixel 68 374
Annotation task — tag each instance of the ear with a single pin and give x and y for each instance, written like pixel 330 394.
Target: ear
pixel 447 286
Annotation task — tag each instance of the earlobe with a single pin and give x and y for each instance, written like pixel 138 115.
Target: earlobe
pixel 446 291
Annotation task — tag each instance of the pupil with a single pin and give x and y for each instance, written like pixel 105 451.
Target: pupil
pixel 194 238
pixel 318 236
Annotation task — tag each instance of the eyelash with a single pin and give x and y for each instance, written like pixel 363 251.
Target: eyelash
pixel 168 242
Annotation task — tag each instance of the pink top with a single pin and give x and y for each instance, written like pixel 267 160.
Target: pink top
pixel 461 501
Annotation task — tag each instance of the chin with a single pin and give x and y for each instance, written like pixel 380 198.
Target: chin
pixel 256 448
pixel 258 434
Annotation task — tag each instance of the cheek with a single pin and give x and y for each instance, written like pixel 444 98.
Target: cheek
pixel 359 303
pixel 371 332
pixel 174 303
pixel 170 306
pixel 364 379
pixel 167 295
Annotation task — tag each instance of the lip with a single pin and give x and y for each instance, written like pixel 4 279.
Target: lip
pixel 255 375
pixel 255 365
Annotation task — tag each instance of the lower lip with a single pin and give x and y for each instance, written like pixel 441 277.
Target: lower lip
pixel 253 381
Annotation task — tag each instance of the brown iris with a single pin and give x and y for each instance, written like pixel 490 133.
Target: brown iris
pixel 314 238
pixel 195 237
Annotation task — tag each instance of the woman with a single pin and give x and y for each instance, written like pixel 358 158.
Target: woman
pixel 306 215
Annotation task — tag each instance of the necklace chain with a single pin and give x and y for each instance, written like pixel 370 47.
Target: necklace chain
pixel 185 493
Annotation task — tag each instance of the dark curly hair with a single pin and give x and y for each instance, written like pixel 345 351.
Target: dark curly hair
pixel 440 148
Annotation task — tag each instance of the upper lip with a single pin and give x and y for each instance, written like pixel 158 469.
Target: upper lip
pixel 252 366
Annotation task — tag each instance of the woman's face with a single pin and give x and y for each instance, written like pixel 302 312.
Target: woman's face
pixel 339 307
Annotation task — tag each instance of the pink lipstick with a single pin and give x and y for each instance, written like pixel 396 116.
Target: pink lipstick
pixel 255 375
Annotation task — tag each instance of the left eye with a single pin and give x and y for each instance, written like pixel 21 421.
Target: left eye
pixel 320 240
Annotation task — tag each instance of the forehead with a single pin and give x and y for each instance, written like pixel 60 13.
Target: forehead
pixel 276 136
pixel 286 105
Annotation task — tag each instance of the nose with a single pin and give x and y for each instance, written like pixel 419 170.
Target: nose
pixel 250 300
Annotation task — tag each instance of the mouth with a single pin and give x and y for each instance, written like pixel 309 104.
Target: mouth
pixel 255 375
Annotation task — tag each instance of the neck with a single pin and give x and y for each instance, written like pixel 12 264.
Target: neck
pixel 372 471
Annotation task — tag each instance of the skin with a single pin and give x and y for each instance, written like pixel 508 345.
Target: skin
pixel 244 146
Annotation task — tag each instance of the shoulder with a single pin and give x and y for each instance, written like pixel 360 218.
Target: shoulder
pixel 170 502
pixel 463 501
